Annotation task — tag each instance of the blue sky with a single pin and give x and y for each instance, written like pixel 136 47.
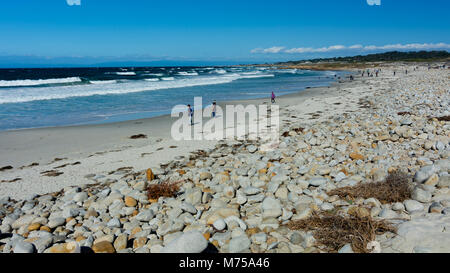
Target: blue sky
pixel 95 31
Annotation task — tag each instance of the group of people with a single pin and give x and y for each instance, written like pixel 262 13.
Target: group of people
pixel 369 74
pixel 214 109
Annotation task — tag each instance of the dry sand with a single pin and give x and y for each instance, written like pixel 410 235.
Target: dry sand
pixel 99 149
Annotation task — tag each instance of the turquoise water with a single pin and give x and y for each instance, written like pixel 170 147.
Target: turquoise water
pixel 31 98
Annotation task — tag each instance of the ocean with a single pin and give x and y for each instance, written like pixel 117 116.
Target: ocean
pixel 32 98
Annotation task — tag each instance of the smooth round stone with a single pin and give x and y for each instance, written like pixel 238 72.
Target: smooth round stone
pixel 114 223
pixel 327 206
pixel 252 149
pixel 239 244
pixel 346 249
pixel 317 181
pixel 80 197
pixel 188 242
pixel 56 222
pixel 424 173
pixel 421 195
pixel 398 206
pixel 219 224
pixel 296 238
pixel 23 247
pixel 413 206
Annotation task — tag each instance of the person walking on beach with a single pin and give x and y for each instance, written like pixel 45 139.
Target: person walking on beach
pixel 214 109
pixel 273 97
pixel 191 114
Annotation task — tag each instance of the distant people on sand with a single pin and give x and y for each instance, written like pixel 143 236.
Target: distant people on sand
pixel 273 97
pixel 214 109
pixel 191 114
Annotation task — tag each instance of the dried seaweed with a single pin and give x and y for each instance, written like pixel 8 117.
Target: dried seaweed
pixel 335 231
pixel 396 187
pixel 403 113
pixel 164 189
pixel 443 118
pixel 6 168
pixel 138 136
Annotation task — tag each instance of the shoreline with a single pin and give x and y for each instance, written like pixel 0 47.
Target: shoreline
pixel 240 198
pixel 31 152
pixel 16 140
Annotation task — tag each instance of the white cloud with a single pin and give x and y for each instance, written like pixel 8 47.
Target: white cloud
pixel 274 49
pixel 73 2
pixel 301 50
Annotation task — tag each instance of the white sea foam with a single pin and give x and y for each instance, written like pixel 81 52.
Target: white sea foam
pixel 23 94
pixel 103 82
pixel 219 71
pixel 257 76
pixel 183 73
pixel 38 82
pixel 126 73
pixel 152 80
pixel 154 74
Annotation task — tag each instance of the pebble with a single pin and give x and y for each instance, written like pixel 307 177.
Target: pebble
pixel 188 242
pixel 23 247
pixel 219 224
pixel 239 244
pixel 413 206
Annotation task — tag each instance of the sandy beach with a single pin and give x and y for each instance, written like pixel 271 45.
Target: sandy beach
pixel 88 186
pixel 100 149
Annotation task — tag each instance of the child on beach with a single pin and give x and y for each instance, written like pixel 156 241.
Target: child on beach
pixel 273 97
pixel 214 109
pixel 191 114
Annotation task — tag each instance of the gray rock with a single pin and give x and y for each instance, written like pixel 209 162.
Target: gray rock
pixel 431 231
pixel 219 224
pixel 188 208
pixel 145 215
pixel 435 208
pixel 346 249
pixel 421 195
pixel 424 173
pixel 413 206
pixel 251 148
pixel 22 221
pixel 239 244
pixel 296 238
pixel 80 197
pixel 388 214
pixel 444 181
pixel 259 238
pixel 56 222
pixel 317 181
pixel 23 247
pixel 43 243
pixel 114 223
pixel 398 206
pixel 271 207
pixel 188 242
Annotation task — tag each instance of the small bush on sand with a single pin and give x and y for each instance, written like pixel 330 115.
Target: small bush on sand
pixel 335 231
pixel 164 189
pixel 396 187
